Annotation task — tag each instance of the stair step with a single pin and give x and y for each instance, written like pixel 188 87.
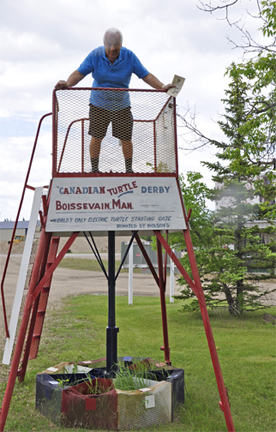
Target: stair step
pixel 43 300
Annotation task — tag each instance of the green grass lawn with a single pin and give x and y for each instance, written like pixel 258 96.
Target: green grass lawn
pixel 246 349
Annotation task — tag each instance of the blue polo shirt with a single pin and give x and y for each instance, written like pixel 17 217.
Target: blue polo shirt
pixel 116 75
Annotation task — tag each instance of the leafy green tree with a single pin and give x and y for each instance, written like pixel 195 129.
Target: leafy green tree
pixel 234 257
pixel 240 252
pixel 196 195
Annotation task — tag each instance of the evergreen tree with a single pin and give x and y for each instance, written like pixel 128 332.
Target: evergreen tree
pixel 237 255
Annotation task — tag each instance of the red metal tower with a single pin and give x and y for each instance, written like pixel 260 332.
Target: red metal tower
pixel 109 202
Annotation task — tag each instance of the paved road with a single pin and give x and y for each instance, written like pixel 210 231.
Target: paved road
pixel 68 282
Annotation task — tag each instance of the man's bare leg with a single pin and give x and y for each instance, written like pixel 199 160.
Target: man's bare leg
pixel 128 153
pixel 94 149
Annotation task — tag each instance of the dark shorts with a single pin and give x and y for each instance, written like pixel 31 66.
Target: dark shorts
pixel 122 122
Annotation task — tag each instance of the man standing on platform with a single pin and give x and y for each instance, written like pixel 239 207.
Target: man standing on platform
pixel 111 66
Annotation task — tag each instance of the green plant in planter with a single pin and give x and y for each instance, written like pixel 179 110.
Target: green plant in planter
pixel 62 382
pixel 96 387
pixel 126 380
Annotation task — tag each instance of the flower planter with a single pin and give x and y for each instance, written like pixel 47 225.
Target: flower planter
pixel 81 408
pixel 159 372
pixel 75 401
pixel 176 378
pixel 51 383
pixel 145 407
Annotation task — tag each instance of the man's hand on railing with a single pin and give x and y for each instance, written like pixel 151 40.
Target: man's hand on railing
pixel 73 79
pixel 61 85
pixel 154 82
pixel 167 86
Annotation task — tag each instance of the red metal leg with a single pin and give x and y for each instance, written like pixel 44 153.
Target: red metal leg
pixel 165 263
pixel 224 404
pixel 197 288
pixel 53 266
pixel 160 282
pixel 148 261
pixel 43 246
pixel 21 373
pixel 32 298
pixel 163 304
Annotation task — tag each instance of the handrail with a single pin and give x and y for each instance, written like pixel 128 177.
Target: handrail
pixel 16 222
pixel 66 137
pixel 119 89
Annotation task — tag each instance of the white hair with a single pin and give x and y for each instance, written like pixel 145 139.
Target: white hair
pixel 114 30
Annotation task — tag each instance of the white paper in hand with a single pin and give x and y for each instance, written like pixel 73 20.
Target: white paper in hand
pixel 178 81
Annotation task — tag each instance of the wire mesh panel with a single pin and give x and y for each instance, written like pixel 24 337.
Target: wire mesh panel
pixel 145 407
pixel 92 404
pixel 119 125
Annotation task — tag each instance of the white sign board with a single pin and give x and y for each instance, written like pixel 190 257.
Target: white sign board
pixel 114 204
pixel 178 82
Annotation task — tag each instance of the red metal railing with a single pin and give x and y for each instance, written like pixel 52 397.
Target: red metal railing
pixel 26 186
pixel 71 107
pixel 82 143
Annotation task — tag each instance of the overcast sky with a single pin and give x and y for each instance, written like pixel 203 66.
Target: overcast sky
pixel 44 41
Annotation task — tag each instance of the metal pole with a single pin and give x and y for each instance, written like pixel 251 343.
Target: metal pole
pixel 111 330
pixel 130 275
pixel 172 280
pixel 166 347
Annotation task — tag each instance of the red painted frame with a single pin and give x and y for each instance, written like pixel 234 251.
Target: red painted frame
pixel 26 186
pixel 41 274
